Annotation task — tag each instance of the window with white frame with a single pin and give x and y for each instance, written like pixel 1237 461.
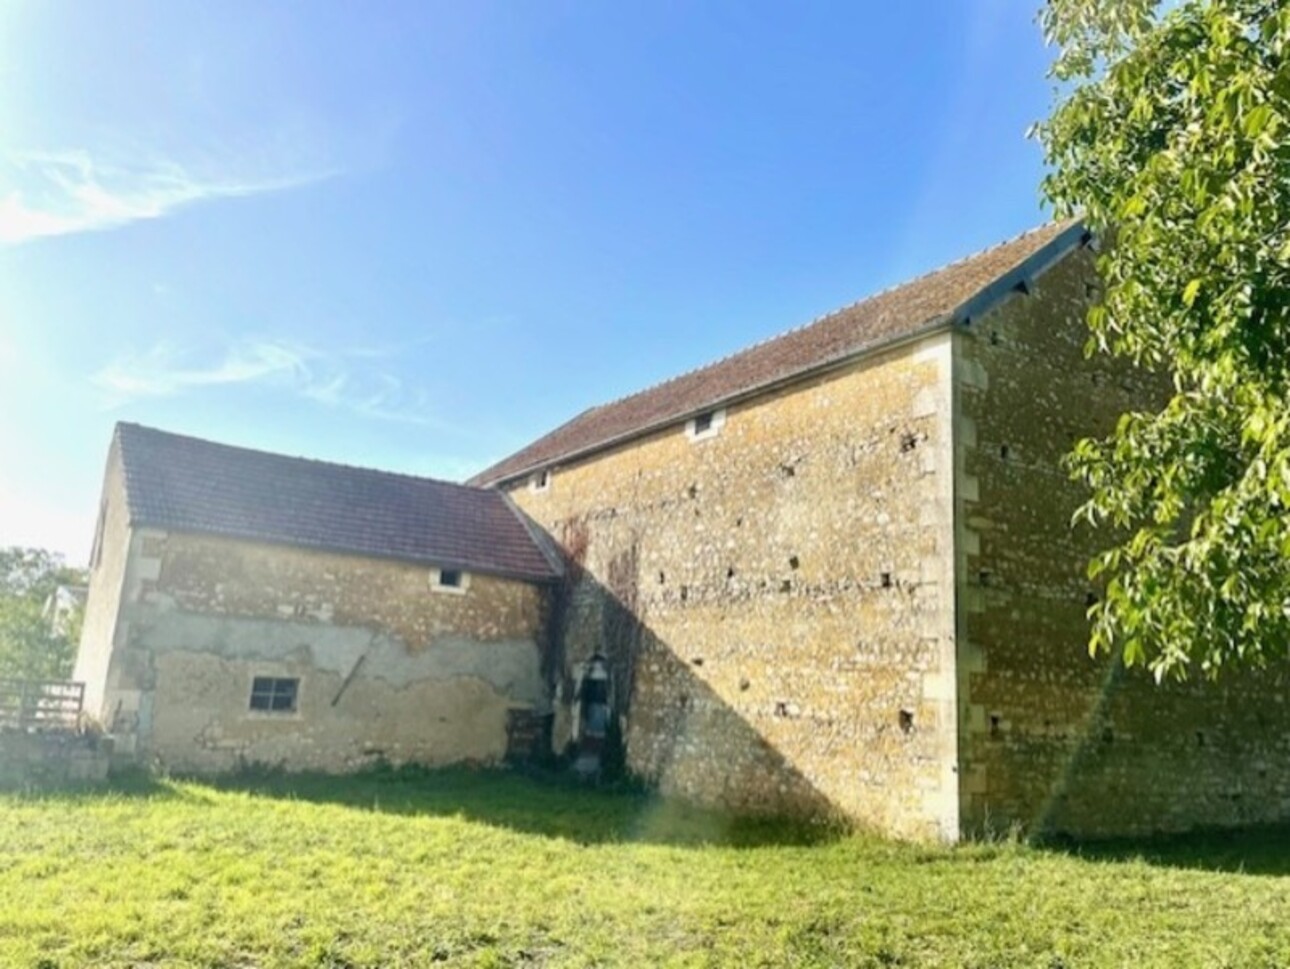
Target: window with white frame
pixel 449 580
pixel 540 480
pixel 705 425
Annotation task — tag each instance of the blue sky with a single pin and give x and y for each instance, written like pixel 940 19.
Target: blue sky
pixel 416 236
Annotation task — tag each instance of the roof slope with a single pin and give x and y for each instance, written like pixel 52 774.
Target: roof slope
pixel 902 311
pixel 187 484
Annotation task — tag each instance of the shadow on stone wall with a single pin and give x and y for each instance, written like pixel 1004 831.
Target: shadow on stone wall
pixel 1144 760
pixel 682 738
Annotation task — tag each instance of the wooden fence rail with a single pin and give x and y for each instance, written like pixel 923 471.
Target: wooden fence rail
pixel 40 704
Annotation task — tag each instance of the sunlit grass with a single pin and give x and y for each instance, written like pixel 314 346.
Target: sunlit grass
pixel 467 869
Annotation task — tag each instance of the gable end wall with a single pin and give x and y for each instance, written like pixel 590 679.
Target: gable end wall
pixel 1050 739
pixel 107 579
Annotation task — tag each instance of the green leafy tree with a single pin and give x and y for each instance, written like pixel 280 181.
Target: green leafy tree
pixel 1171 136
pixel 29 647
pixel 35 572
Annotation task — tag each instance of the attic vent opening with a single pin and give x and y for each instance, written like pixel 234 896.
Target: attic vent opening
pixel 708 424
pixel 449 580
pixel 541 480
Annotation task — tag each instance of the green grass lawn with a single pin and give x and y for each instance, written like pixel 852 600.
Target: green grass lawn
pixel 477 869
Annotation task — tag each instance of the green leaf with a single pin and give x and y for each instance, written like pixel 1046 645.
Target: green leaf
pixel 1190 292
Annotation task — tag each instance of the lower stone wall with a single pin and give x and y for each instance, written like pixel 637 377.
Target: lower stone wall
pixel 53 758
pixel 387 668
pixel 363 697
pixel 1113 753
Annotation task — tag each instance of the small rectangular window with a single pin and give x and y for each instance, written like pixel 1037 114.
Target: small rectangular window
pixel 541 480
pixel 273 694
pixel 705 425
pixel 449 580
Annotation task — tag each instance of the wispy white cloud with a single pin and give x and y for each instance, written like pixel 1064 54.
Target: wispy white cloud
pixel 61 193
pixel 165 369
pixel 351 380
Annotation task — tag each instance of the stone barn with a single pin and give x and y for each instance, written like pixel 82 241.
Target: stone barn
pixel 834 573
pixel 251 608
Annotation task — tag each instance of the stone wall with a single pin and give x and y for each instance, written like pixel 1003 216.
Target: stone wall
pixel 1050 738
pixel 52 758
pixel 389 668
pixel 776 600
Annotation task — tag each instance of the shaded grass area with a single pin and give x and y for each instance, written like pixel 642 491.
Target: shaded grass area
pixel 459 868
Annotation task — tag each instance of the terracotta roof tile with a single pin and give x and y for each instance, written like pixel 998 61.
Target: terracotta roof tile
pixel 187 484
pixel 889 315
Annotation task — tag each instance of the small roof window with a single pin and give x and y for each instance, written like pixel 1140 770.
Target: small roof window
pixel 707 424
pixel 449 580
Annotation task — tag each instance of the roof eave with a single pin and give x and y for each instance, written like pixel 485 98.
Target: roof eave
pixel 755 390
pixel 979 303
pixel 1021 277
pixel 545 578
